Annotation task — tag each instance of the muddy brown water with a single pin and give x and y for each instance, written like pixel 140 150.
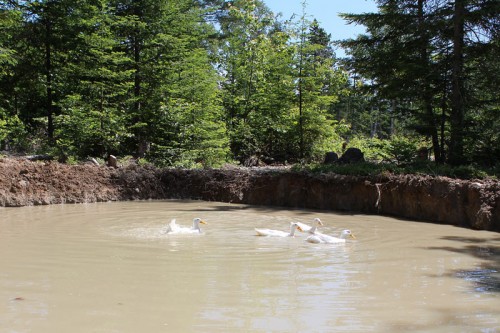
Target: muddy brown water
pixel 109 267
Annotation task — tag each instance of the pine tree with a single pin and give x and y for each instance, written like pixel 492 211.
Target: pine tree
pixel 9 24
pixel 319 84
pixel 244 50
pixel 173 118
pixel 11 127
pixel 422 54
pixel 93 109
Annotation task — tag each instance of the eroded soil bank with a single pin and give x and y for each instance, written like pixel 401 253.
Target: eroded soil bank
pixel 473 204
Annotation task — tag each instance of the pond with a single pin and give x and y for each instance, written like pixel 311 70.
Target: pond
pixel 110 267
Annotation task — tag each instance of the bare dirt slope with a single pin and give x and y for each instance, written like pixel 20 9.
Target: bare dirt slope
pixel 24 183
pixel 473 204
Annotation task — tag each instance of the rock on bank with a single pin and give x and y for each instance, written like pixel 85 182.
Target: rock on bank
pixel 473 204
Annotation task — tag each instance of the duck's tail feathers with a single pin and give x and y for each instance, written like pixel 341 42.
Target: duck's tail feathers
pixel 171 226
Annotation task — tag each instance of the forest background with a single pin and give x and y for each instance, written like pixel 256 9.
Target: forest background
pixel 201 83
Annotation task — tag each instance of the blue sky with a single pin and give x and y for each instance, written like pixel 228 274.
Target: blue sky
pixel 326 12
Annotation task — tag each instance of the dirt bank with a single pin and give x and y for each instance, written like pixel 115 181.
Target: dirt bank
pixel 474 204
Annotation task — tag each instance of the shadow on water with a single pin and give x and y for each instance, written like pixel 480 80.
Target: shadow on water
pixel 241 207
pixel 258 208
pixel 485 278
pixel 445 316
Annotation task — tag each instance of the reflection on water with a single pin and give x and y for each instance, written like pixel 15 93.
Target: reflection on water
pixel 112 268
pixel 485 280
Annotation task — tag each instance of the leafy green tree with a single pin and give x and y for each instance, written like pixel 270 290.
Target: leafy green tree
pixel 9 24
pixel 100 76
pixel 174 116
pixel 11 127
pixel 319 85
pixel 395 56
pixel 36 84
pixel 271 122
pixel 279 84
pixel 92 120
pixel 474 38
pixel 52 35
pixel 481 68
pixel 416 53
pixel 189 126
pixel 245 52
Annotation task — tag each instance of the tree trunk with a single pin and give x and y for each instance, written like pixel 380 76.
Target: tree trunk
pixel 456 156
pixel 392 113
pixel 426 85
pixel 137 75
pixel 48 80
pixel 142 145
pixel 301 117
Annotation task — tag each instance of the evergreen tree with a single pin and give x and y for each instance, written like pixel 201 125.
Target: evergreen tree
pixel 175 102
pixel 50 22
pixel 395 56
pixel 319 85
pixel 272 122
pixel 93 109
pixel 37 82
pixel 244 52
pixel 415 54
pixel 9 24
pixel 11 127
pixel 190 83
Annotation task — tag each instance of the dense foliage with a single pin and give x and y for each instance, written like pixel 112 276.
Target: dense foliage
pixel 206 82
pixel 425 58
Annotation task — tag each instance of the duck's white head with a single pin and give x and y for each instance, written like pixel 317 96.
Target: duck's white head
pixel 318 221
pixel 294 225
pixel 347 233
pixel 197 221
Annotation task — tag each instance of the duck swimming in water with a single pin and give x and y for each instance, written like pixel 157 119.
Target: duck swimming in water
pixel 319 238
pixel 174 228
pixel 307 228
pixel 278 233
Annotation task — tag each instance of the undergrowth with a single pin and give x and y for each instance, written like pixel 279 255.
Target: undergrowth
pixel 431 169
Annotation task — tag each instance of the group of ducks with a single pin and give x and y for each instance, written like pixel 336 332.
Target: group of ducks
pixel 315 236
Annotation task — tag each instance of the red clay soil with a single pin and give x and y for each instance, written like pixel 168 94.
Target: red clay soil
pixel 472 204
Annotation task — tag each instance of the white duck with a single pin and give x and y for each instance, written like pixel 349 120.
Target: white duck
pixel 174 228
pixel 307 228
pixel 278 233
pixel 319 238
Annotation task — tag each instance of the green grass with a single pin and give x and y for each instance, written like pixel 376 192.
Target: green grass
pixel 379 169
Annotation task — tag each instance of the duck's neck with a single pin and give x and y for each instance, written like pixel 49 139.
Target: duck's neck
pixel 196 225
pixel 293 227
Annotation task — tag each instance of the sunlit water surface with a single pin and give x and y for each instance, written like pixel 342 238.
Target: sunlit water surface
pixel 110 267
